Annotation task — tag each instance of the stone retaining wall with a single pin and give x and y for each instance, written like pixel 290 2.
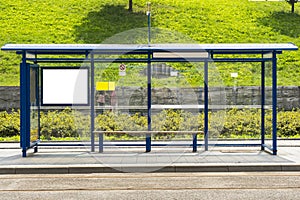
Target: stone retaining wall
pixel 9 97
pixel 288 96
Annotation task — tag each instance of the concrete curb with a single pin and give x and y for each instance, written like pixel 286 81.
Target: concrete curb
pixel 75 169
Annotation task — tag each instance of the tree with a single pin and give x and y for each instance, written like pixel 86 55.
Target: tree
pixel 292 2
pixel 130 5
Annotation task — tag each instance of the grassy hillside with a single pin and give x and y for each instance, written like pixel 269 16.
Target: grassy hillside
pixel 205 21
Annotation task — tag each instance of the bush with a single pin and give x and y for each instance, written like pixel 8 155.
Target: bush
pixel 288 123
pixel 233 123
pixel 115 121
pixel 241 122
pixel 9 124
pixel 66 123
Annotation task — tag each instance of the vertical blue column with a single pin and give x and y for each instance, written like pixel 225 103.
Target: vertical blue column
pixel 37 98
pixel 194 142
pixel 93 103
pixel 149 71
pixel 274 102
pixel 148 135
pixel 206 105
pixel 100 142
pixel 195 138
pixel 24 105
pixel 263 99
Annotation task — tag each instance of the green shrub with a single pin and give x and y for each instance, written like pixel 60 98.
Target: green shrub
pixel 167 120
pixel 116 121
pixel 288 123
pixel 66 123
pixel 233 123
pixel 9 124
pixel 241 122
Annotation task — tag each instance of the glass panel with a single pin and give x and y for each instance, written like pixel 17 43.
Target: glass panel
pixel 121 100
pixel 176 100
pixel 34 103
pixel 238 115
pixel 269 101
pixel 216 103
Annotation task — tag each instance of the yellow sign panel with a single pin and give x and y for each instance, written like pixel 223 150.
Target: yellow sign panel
pixel 111 86
pixel 102 86
pixel 105 86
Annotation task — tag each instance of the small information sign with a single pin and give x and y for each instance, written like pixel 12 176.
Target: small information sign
pixel 122 70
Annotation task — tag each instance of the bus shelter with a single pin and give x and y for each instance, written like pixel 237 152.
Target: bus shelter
pixel 33 92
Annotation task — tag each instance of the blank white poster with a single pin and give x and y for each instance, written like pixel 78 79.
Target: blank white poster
pixel 65 86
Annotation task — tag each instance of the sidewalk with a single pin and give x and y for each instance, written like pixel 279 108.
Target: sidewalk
pixel 160 159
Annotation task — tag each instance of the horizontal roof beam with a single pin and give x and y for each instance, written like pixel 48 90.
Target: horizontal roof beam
pixel 122 48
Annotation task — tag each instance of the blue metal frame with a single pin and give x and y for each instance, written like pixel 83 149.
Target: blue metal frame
pixel 274 103
pixel 263 99
pixel 149 102
pixel 206 105
pixel 24 105
pixel 93 105
pixel 144 60
pixel 148 51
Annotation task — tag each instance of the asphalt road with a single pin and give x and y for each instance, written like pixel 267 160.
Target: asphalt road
pixel 221 186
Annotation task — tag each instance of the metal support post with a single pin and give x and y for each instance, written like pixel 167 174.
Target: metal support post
pixel 37 91
pixel 92 103
pixel 274 103
pixel 206 105
pixel 100 142
pixel 148 135
pixel 194 142
pixel 263 99
pixel 24 105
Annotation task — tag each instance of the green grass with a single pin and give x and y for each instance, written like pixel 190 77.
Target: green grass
pixel 207 21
